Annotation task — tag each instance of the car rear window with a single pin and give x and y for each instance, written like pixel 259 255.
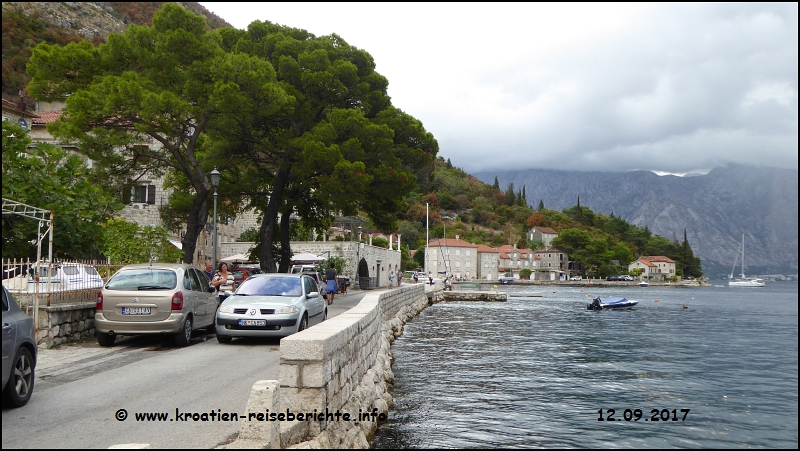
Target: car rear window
pixel 70 270
pixel 143 279
pixel 271 286
pixel 237 274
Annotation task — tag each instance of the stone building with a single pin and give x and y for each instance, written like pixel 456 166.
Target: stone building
pixel 654 267
pixel 453 257
pixel 543 235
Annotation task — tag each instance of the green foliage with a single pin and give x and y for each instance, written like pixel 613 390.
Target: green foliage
pixel 338 263
pixel 380 242
pixel 525 273
pixel 50 178
pixel 249 235
pixel 127 243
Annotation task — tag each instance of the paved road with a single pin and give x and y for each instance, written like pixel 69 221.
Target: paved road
pixel 80 388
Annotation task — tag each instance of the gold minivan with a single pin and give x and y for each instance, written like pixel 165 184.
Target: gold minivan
pixel 166 299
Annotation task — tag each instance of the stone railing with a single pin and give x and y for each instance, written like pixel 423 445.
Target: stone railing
pixel 59 324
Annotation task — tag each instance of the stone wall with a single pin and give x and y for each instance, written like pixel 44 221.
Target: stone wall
pixel 344 365
pixel 59 324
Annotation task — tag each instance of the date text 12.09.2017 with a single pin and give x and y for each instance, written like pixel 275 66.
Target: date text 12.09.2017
pixel 636 415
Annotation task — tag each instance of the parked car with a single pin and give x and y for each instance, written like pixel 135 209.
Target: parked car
pixel 612 278
pixel 58 277
pixel 271 305
pixel 167 299
pixel 241 273
pixel 626 278
pixel 575 278
pixel 19 353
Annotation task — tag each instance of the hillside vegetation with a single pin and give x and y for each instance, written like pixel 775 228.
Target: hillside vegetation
pixel 460 204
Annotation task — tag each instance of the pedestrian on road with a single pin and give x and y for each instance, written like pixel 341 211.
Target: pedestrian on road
pixel 223 281
pixel 209 272
pixel 331 282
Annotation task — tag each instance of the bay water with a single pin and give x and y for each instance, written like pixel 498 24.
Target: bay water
pixel 545 372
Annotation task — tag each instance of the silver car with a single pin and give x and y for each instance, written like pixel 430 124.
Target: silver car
pixel 19 353
pixel 168 299
pixel 271 305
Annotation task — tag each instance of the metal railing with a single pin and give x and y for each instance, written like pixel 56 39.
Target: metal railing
pixel 61 282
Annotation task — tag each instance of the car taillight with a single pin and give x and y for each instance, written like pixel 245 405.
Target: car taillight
pixel 177 301
pixel 99 305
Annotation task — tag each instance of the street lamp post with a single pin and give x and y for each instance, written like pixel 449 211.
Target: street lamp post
pixel 358 258
pixel 215 183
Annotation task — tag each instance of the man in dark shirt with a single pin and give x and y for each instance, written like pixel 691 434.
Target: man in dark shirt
pixel 209 271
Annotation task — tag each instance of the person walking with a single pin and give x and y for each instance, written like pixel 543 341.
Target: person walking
pixel 331 282
pixel 223 281
pixel 391 279
pixel 430 278
pixel 416 277
pixel 399 277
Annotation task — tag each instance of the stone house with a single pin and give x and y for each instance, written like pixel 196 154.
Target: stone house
pixel 654 267
pixel 453 256
pixel 543 235
pixel 513 259
pixel 488 266
pixel 550 263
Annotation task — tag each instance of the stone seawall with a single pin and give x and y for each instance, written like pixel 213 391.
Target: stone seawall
pixel 341 366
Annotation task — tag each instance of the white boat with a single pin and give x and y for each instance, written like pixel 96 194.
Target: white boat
pixel 644 284
pixel 744 281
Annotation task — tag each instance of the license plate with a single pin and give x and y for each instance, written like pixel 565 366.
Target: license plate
pixel 135 310
pixel 252 322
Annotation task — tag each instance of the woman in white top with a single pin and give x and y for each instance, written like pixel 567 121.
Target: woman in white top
pixel 223 280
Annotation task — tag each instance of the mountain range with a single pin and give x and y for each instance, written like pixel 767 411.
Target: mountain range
pixel 715 209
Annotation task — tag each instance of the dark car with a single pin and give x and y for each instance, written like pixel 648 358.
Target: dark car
pixel 242 273
pixel 19 353
pixel 612 278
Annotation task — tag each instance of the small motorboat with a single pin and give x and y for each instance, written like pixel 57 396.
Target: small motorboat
pixel 611 304
pixel 644 284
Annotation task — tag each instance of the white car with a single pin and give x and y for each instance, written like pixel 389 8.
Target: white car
pixel 575 278
pixel 271 305
pixel 61 277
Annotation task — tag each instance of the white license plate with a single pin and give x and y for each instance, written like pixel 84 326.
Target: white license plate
pixel 252 322
pixel 135 310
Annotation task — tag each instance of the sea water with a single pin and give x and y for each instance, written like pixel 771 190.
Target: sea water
pixel 546 372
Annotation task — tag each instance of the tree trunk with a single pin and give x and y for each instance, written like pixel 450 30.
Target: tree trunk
pixel 197 219
pixel 286 258
pixel 270 219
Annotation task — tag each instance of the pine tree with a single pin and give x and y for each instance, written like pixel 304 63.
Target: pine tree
pixel 541 206
pixel 496 184
pixel 579 201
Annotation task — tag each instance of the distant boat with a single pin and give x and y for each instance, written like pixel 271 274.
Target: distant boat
pixel 644 284
pixel 744 281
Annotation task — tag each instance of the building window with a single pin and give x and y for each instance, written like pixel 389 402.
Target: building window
pixel 458 251
pixel 139 194
pixel 458 264
pixel 466 264
pixel 467 252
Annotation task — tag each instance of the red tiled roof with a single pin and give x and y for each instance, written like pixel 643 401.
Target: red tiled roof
pixel 47 117
pixel 546 230
pixel 9 105
pixel 485 248
pixel 645 262
pixel 451 242
pixel 657 258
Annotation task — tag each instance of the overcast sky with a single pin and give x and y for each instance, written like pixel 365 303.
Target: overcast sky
pixel 670 88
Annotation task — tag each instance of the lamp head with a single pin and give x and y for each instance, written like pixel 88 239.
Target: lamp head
pixel 214 178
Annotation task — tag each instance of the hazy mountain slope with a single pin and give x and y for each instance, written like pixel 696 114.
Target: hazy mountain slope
pixel 715 208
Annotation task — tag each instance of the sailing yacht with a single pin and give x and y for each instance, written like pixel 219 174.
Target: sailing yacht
pixel 744 281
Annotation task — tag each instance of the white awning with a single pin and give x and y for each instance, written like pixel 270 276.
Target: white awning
pixel 175 243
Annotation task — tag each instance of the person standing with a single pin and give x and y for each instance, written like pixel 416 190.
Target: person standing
pixel 430 278
pixel 331 282
pixel 416 277
pixel 223 281
pixel 399 277
pixel 391 279
pixel 209 271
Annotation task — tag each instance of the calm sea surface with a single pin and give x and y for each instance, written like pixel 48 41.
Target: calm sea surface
pixel 533 372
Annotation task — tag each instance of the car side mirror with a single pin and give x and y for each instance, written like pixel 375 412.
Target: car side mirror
pixel 313 294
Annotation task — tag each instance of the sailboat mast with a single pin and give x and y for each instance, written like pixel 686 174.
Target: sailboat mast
pixel 743 256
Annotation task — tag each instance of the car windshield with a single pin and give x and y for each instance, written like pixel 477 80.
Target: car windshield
pixel 270 286
pixel 143 279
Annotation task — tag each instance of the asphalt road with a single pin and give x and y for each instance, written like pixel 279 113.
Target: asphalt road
pixel 80 389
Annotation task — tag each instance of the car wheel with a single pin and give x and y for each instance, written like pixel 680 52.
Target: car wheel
pixel 303 324
pixel 20 383
pixel 106 339
pixel 183 337
pixel 224 339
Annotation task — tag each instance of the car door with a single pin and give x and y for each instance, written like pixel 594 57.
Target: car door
pixel 190 297
pixel 206 301
pixel 9 335
pixel 315 305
